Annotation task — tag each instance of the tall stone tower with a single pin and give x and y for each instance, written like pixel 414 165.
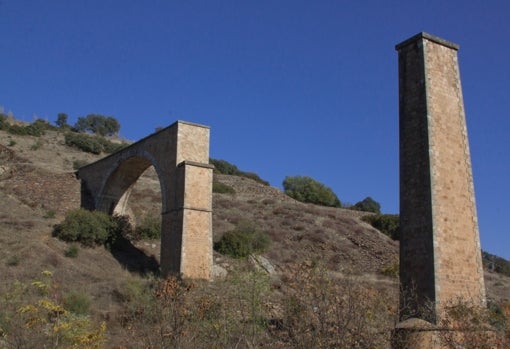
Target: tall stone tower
pixel 440 256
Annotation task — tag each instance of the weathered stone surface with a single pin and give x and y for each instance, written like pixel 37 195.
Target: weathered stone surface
pixel 261 264
pixel 218 272
pixel 440 256
pixel 180 156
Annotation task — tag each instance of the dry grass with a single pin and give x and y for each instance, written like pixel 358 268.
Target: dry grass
pixel 42 181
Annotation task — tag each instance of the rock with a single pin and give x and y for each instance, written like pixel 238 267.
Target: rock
pixel 218 272
pixel 262 264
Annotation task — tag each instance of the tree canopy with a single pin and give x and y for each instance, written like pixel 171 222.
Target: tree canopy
pixel 96 123
pixel 61 121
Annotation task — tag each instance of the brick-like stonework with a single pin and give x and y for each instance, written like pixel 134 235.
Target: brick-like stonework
pixel 440 256
pixel 180 156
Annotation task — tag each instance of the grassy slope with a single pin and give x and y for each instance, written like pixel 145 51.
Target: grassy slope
pixel 37 186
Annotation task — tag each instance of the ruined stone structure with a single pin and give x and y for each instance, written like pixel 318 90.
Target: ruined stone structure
pixel 440 256
pixel 180 156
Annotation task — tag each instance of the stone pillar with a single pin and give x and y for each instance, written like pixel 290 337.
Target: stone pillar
pixel 440 255
pixel 186 245
pixel 186 236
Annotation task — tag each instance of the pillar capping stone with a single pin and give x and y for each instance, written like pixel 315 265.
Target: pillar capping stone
pixel 427 36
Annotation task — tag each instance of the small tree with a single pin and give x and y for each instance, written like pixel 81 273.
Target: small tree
pixel 96 123
pixel 61 120
pixel 368 205
pixel 307 189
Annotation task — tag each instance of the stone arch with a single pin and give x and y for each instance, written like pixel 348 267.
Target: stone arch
pixel 117 184
pixel 180 156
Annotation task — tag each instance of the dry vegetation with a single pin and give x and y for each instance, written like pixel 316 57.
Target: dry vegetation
pixel 333 286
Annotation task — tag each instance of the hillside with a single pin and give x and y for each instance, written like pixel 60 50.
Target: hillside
pixel 38 186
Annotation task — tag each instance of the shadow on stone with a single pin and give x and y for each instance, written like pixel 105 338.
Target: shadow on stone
pixel 132 258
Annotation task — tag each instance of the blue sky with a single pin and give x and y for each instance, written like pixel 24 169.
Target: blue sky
pixel 288 87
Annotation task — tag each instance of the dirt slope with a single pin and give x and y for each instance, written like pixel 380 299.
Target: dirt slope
pixel 37 187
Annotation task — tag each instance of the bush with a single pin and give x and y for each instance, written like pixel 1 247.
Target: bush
pixel 242 242
pixel 86 227
pixel 92 144
pixel 255 177
pixel 37 145
pixel 36 129
pixel 307 189
pixel 149 228
pixel 4 125
pixel 72 251
pixel 391 270
pixel 225 167
pixel 50 214
pixel 13 261
pixel 77 303
pixel 368 205
pixel 34 315
pixel 42 125
pixel 388 224
pixel 86 143
pixel 495 263
pixel 79 163
pixel 221 188
pixel 109 146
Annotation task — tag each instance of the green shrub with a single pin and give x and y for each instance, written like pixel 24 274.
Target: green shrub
pixel 72 251
pixel 92 144
pixel 86 227
pixel 79 163
pixel 77 303
pixel 13 261
pixel 36 129
pixel 42 125
pixel 388 224
pixel 391 270
pixel 17 130
pixel 86 143
pixel 368 205
pixel 255 177
pixel 242 241
pixel 50 214
pixel 307 189
pixel 109 146
pixel 495 263
pixel 149 228
pixel 4 124
pixel 37 145
pixel 225 167
pixel 221 188
pixel 12 143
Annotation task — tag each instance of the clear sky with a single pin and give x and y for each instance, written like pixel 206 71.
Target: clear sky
pixel 288 87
